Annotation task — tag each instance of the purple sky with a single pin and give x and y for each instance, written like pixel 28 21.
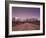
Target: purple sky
pixel 24 12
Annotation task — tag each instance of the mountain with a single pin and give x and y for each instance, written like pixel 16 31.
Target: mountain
pixel 23 19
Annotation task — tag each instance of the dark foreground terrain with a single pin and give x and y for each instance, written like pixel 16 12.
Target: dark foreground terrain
pixel 25 26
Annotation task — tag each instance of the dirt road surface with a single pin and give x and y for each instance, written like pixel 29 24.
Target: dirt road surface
pixel 25 26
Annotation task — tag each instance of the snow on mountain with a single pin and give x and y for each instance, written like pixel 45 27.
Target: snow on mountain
pixel 23 19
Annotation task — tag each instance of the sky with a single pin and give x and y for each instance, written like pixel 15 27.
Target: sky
pixel 26 12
